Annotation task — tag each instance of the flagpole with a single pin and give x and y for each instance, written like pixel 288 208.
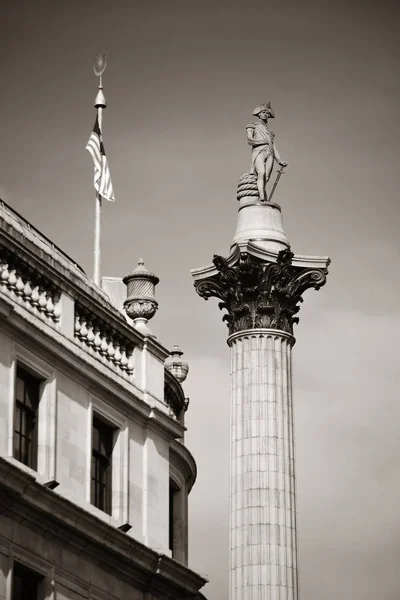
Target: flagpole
pixel 97 241
pixel 100 104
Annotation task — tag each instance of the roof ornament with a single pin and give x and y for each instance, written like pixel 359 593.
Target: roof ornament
pixel 100 63
pixel 175 365
pixel 140 304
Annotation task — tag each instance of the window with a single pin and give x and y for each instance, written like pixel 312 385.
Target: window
pixel 173 493
pixel 27 395
pixel 26 583
pixel 101 476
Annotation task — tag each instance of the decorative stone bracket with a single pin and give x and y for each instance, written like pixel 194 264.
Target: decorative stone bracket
pixel 256 294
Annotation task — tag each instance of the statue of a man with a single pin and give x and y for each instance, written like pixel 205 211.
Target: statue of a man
pixel 264 152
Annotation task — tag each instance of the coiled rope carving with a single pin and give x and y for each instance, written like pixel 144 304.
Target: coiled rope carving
pixel 247 186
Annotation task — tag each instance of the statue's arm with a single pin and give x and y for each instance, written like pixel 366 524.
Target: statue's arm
pixel 250 137
pixel 249 133
pixel 278 159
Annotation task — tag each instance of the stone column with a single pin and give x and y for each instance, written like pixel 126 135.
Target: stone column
pixel 263 546
pixel 261 297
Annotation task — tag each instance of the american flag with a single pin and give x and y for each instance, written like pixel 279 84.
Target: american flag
pixel 102 177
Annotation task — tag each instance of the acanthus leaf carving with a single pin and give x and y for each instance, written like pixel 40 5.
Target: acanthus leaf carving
pixel 258 295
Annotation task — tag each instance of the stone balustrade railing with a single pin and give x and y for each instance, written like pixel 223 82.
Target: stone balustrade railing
pixel 37 293
pixel 29 287
pixel 46 282
pixel 100 339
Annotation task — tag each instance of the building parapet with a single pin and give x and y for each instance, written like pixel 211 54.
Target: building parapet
pixel 41 278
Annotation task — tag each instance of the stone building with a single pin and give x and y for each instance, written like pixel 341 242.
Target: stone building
pixel 94 473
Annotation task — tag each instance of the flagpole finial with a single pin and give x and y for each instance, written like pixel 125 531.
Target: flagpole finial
pixel 100 63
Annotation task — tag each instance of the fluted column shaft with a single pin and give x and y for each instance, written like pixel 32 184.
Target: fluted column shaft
pixel 263 542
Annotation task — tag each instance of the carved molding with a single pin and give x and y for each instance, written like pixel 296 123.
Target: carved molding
pixel 260 295
pixel 140 307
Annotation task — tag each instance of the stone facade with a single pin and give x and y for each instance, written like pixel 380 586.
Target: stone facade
pixel 61 329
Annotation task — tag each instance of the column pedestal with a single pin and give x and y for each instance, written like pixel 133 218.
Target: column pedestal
pixel 263 544
pixel 260 222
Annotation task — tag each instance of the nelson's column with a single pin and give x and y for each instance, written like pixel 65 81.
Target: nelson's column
pixel 260 286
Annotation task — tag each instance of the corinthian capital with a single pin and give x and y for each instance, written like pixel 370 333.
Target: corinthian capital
pixel 256 294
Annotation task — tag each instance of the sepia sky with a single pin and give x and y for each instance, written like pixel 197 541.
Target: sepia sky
pixel 182 80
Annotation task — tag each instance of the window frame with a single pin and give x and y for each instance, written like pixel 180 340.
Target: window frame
pixel 100 409
pixel 174 498
pixel 179 514
pixel 28 416
pixel 46 413
pixel 42 568
pixel 103 463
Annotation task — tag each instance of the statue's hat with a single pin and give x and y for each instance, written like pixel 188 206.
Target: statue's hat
pixel 262 107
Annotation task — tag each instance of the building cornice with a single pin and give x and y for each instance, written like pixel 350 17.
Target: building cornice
pixel 23 498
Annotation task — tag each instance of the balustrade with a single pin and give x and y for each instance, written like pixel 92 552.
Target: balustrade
pixel 100 339
pixel 29 287
pixel 48 294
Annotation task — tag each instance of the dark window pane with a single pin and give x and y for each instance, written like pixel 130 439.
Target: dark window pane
pixel 25 583
pixel 101 476
pixel 17 424
pixel 171 517
pixel 19 391
pixel 24 421
pixel 95 438
pixel 32 393
pixel 27 390
pixel 103 447
pixel 24 452
pixel 17 591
